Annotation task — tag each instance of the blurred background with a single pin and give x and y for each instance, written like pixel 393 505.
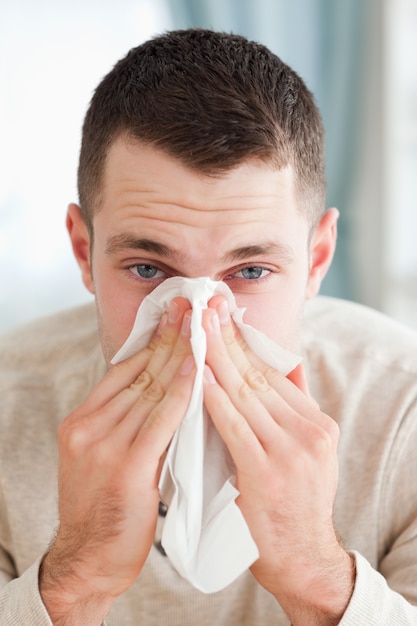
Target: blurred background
pixel 359 57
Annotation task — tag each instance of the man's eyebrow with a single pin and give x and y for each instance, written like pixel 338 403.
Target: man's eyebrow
pixel 121 242
pixel 117 243
pixel 243 253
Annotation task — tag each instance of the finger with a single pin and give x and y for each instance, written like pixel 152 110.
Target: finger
pixel 245 424
pixel 165 415
pixel 247 389
pixel 80 429
pixel 122 374
pixel 243 444
pixel 119 376
pixel 153 358
pixel 106 416
pixel 172 317
pixel 291 410
pixel 181 348
pixel 295 392
pixel 152 393
pixel 164 369
pixel 174 336
pixel 284 401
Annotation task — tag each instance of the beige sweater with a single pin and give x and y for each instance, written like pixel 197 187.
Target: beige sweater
pixel 362 369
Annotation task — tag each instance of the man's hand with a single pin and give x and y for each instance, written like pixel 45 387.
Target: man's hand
pixel 111 452
pixel 285 451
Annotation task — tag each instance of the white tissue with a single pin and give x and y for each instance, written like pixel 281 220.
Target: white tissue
pixel 204 535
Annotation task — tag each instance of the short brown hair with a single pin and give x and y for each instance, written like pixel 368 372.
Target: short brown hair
pixel 212 100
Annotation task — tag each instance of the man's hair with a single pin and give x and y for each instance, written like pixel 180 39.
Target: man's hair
pixel 211 100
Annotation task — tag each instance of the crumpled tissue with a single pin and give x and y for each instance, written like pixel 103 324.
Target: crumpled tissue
pixel 205 535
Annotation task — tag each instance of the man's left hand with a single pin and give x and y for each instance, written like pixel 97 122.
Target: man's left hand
pixel 285 451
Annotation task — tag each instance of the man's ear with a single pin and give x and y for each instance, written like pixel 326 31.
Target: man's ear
pixel 81 244
pixel 322 247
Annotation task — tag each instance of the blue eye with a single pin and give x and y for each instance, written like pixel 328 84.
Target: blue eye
pixel 253 273
pixel 147 271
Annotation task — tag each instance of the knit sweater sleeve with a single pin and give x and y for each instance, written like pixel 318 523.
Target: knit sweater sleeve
pixel 21 603
pixel 373 602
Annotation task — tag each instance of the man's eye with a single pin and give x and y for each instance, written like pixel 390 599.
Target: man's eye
pixel 252 273
pixel 147 271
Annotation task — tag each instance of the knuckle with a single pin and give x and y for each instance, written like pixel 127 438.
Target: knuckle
pixel 272 375
pixel 256 380
pixel 142 382
pixel 153 344
pixel 155 392
pixel 164 414
pixel 316 440
pixel 322 443
pixel 246 392
pixel 166 341
pixel 72 437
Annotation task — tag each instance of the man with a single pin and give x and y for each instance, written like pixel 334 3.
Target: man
pixel 202 155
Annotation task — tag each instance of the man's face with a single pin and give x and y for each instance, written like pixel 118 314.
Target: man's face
pixel 159 219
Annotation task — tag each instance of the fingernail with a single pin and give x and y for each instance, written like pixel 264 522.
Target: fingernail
pixel 223 312
pixel 187 366
pixel 186 324
pixel 173 312
pixel 215 323
pixel 208 375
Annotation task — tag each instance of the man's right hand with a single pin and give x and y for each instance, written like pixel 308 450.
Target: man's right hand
pixel 111 451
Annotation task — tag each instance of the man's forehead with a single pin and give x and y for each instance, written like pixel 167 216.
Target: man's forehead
pixel 147 193
pixel 126 151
